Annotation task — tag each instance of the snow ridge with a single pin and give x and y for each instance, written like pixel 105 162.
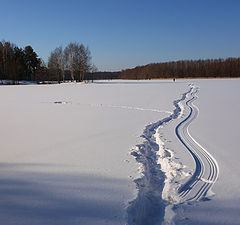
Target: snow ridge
pixel 149 206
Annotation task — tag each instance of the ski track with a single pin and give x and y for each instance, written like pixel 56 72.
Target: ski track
pixel 207 170
pixel 149 206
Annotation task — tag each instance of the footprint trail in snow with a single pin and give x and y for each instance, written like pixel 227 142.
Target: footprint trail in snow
pixel 158 169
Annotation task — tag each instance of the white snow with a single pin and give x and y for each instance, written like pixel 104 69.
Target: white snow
pixel 73 153
pixel 71 163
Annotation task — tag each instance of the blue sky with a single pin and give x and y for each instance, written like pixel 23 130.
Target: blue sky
pixel 126 33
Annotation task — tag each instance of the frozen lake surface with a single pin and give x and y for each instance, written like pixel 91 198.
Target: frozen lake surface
pixel 71 153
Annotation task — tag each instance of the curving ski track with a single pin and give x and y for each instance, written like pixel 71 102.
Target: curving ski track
pixel 148 208
pixel 206 170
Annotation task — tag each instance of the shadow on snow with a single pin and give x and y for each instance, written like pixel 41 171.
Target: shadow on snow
pixel 43 198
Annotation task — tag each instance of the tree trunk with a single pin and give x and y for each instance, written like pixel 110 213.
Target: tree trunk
pixel 71 63
pixel 63 75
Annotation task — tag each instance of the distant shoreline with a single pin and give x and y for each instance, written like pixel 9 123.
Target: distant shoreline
pixel 184 78
pixel 10 83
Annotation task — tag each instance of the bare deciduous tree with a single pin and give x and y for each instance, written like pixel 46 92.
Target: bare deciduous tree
pixel 68 55
pixel 78 60
pixel 54 63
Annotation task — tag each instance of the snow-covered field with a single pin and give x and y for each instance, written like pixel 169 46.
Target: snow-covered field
pixel 120 152
pixel 217 130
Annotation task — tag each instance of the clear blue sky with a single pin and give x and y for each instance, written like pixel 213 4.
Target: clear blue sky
pixel 126 33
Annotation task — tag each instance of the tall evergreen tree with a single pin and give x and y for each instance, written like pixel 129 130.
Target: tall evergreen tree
pixel 31 62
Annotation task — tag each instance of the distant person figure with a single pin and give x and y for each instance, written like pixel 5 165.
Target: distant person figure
pixel 173 79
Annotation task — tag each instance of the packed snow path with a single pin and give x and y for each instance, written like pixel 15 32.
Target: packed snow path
pixel 149 206
pixel 206 170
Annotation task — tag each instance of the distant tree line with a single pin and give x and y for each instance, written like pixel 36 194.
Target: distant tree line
pixel 72 63
pixel 103 75
pixel 229 67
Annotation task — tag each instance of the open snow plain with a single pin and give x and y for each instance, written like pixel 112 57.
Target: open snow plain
pixel 120 152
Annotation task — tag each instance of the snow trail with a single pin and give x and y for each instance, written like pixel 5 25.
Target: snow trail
pixel 138 108
pixel 149 205
pixel 130 108
pixel 157 191
pixel 112 106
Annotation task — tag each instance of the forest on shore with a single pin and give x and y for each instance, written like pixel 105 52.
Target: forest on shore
pixel 209 68
pixel 74 63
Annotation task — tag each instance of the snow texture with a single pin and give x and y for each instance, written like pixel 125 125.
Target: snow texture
pixel 67 154
pixel 65 149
